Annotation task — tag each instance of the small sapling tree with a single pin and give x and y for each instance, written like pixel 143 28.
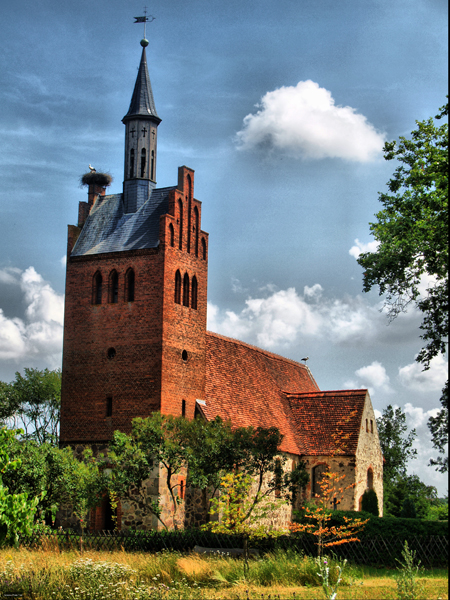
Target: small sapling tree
pixel 318 518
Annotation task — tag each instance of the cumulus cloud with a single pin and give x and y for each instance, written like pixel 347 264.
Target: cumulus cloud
pixel 413 376
pixel 278 318
pixel 38 335
pixel 304 121
pixel 373 377
pixel 360 247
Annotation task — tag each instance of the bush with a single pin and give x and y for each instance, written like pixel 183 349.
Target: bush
pixel 370 502
pixel 393 526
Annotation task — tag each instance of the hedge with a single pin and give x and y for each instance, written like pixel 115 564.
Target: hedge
pixel 392 526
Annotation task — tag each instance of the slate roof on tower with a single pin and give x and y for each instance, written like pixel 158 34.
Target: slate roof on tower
pixel 109 229
pixel 142 102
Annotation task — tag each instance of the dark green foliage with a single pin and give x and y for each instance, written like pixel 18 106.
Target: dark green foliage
pixel 396 444
pixel 207 450
pixel 408 509
pixel 370 502
pixel 412 231
pixel 438 426
pixel 46 471
pixel 392 526
pixel 409 486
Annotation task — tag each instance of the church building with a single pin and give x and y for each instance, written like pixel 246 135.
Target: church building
pixel 135 337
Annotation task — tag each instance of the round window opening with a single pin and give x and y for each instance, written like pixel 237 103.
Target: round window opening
pixel 111 353
pixel 184 355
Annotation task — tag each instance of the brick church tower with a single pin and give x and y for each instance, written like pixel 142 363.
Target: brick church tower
pixel 136 287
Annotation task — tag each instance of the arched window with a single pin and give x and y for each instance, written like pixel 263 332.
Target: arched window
pixel 194 290
pixel 131 163
pixel 178 287
pixel 371 426
pixel 152 166
pixel 203 249
pixel 143 161
pixel 197 222
pixel 109 406
pixel 171 235
pixel 180 210
pixel 367 425
pixel 316 479
pixel 97 289
pixel 370 478
pixel 113 287
pixel 129 286
pixel 186 290
pixel 183 408
pixel 189 224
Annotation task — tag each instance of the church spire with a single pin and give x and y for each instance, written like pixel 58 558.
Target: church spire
pixel 142 102
pixel 141 123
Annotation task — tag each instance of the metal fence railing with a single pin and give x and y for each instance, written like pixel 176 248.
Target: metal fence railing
pixel 432 551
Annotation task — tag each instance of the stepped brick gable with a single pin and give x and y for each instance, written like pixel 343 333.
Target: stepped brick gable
pixel 135 338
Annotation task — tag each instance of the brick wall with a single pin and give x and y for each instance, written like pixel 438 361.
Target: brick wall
pixel 139 356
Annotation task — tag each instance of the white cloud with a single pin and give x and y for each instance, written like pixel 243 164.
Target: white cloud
pixel 414 378
pixel 63 260
pixel 10 276
pixel 279 318
pixel 375 378
pixel 360 247
pixel 304 121
pixel 39 334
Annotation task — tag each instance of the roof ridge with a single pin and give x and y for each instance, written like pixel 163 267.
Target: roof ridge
pixel 262 351
pixel 328 392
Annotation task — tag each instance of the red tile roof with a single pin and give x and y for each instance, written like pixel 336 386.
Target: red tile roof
pixel 328 422
pixel 246 385
pixel 250 386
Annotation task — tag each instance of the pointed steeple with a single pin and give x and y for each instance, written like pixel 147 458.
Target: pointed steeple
pixel 142 103
pixel 141 124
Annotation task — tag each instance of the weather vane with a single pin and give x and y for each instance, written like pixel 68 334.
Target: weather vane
pixel 144 20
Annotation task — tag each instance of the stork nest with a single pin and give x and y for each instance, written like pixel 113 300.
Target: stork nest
pixel 100 179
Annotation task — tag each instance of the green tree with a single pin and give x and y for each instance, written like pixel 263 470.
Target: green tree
pixel 412 232
pixel 212 452
pixel 396 444
pixel 411 488
pixel 44 468
pixel 85 488
pixel 438 426
pixel 156 440
pixel 33 401
pixel 17 511
pixel 238 512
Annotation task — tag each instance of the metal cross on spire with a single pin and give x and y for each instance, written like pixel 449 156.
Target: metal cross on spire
pixel 144 20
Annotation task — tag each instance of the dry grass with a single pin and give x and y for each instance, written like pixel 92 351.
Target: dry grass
pixel 204 578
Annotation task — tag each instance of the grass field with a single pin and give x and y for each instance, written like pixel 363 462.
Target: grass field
pixel 49 574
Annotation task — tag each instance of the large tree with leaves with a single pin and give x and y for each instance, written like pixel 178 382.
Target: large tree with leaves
pixel 32 401
pixel 410 265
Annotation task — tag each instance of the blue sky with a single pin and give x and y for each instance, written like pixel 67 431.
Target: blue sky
pixel 288 190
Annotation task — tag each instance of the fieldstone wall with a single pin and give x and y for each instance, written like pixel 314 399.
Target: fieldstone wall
pixel 342 465
pixel 369 458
